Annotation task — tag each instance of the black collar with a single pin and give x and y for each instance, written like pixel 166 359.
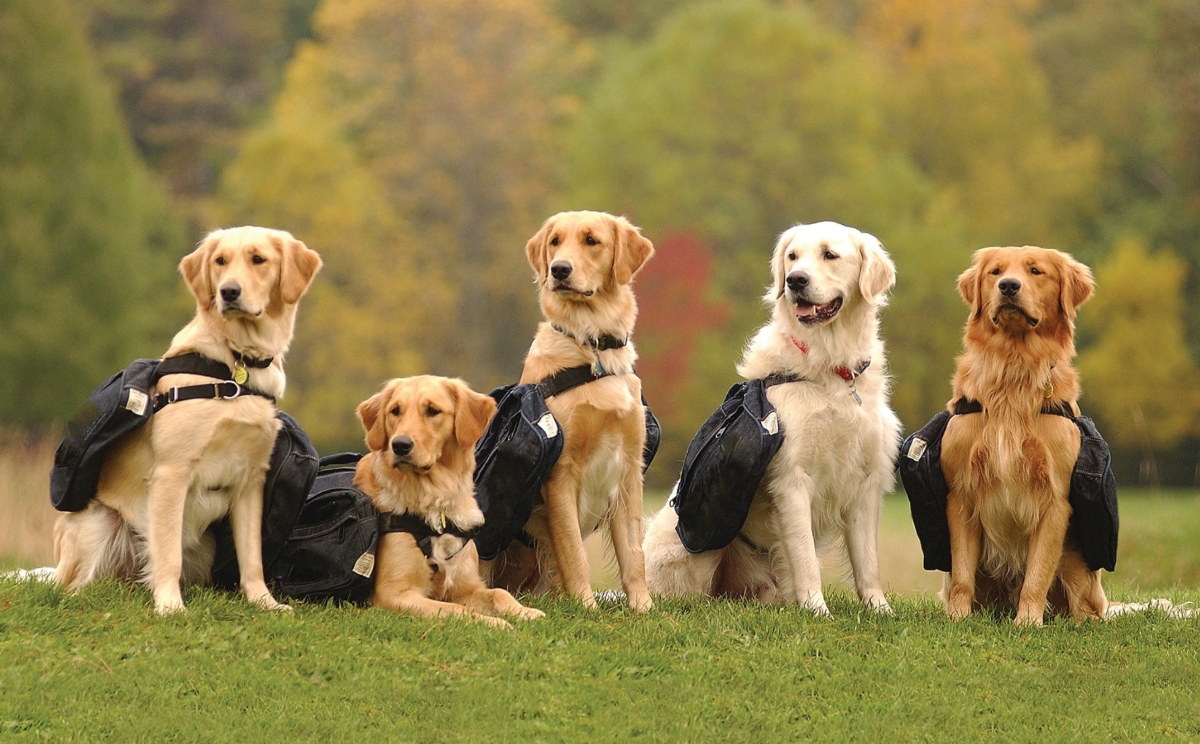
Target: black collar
pixel 970 405
pixel 197 364
pixel 420 530
pixel 246 361
pixel 571 377
pixel 601 343
pixel 780 378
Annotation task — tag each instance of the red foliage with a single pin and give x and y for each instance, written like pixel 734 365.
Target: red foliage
pixel 674 310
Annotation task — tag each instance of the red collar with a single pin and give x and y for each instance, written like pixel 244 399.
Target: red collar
pixel 845 373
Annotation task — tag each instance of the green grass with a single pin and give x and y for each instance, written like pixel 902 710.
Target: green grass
pixel 100 666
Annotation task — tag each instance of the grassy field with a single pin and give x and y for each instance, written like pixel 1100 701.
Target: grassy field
pixel 100 665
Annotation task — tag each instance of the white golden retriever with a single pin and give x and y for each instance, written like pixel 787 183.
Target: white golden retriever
pixel 836 462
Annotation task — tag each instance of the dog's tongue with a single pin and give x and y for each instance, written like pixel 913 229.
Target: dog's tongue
pixel 805 309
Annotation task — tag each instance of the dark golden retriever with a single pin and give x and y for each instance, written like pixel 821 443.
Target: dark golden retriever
pixel 1009 467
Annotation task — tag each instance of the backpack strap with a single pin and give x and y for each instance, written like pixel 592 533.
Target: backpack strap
pixel 202 366
pixel 968 405
pixel 569 378
pixel 420 530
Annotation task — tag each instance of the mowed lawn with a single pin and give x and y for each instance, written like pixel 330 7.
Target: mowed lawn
pixel 101 666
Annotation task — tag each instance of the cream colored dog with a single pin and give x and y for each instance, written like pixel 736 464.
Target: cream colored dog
pixel 196 460
pixel 584 264
pixel 840 437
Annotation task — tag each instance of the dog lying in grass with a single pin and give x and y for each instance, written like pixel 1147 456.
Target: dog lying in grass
pixel 421 434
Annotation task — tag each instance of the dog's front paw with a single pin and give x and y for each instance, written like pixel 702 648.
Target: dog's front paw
pixel 164 608
pixel 959 604
pixel 880 606
pixel 528 613
pixel 1028 619
pixel 495 622
pixel 265 601
pixel 641 603
pixel 816 604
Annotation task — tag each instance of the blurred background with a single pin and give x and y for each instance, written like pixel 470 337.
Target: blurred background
pixel 417 144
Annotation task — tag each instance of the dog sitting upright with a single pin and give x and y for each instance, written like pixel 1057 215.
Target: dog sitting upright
pixel 584 264
pixel 421 432
pixel 198 459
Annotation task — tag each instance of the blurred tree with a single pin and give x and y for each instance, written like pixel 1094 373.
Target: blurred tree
pixel 1127 379
pixel 192 75
pixel 87 242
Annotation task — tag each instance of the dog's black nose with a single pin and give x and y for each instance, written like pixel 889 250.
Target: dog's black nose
pixel 1009 286
pixel 797 280
pixel 231 291
pixel 560 270
pixel 402 446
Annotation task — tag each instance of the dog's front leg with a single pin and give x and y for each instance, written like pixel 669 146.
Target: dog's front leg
pixel 862 544
pixel 802 580
pixel 966 542
pixel 561 496
pixel 245 520
pixel 1045 553
pixel 167 499
pixel 626 530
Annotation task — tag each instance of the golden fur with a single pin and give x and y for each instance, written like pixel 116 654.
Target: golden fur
pixel 195 461
pixel 440 419
pixel 598 478
pixel 1009 468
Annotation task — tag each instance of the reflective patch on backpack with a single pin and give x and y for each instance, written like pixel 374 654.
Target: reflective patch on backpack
pixel 916 449
pixel 137 402
pixel 549 425
pixel 771 423
pixel 365 564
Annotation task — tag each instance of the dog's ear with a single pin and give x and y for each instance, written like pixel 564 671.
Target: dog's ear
pixel 776 289
pixel 1076 284
pixel 472 413
pixel 631 251
pixel 370 413
pixel 194 268
pixel 535 250
pixel 877 274
pixel 969 281
pixel 300 264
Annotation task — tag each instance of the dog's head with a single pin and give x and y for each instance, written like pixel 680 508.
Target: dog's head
pixel 1022 290
pixel 415 423
pixel 578 256
pixel 819 269
pixel 244 272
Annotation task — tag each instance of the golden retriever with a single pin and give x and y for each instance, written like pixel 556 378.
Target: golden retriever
pixel 197 460
pixel 1009 467
pixel 827 481
pixel 584 264
pixel 421 433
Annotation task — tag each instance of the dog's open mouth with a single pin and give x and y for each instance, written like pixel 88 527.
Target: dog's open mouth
pixel 810 313
pixel 1013 308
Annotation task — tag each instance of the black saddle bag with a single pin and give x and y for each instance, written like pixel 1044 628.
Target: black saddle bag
pixel 725 463
pixel 1093 496
pixel 121 404
pixel 330 553
pixel 290 478
pixel 512 460
pixel 925 484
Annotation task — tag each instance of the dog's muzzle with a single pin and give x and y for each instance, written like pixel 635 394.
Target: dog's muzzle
pixel 811 313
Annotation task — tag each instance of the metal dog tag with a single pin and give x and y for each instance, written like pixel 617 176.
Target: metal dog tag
pixel 240 375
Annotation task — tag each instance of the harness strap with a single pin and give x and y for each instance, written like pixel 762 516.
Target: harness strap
pixel 202 366
pixel 969 405
pixel 420 530
pixel 569 378
pixel 781 378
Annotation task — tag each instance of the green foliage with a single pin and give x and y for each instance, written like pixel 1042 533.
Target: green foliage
pixel 1138 374
pixel 87 242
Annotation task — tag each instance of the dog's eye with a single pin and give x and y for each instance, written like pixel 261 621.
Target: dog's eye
pixel 995 271
pixel 1034 270
pixel 395 410
pixel 221 261
pixel 792 256
pixel 830 256
pixel 590 240
pixel 257 259
pixel 430 411
pixel 554 240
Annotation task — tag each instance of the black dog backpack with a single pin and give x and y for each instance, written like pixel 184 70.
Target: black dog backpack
pixel 1093 496
pixel 522 443
pixel 724 465
pixel 125 402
